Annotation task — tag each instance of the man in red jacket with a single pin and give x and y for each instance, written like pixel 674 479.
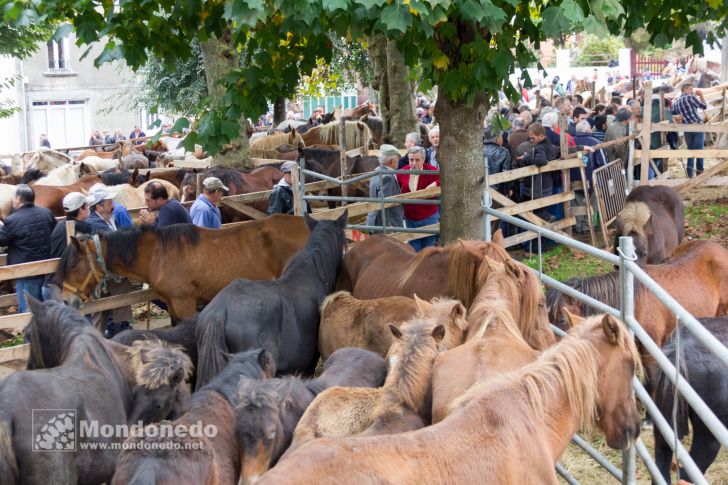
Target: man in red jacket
pixel 419 215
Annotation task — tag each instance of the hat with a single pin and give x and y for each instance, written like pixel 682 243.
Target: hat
pixel 389 150
pixel 99 192
pixel 623 114
pixel 287 167
pixel 73 201
pixel 213 183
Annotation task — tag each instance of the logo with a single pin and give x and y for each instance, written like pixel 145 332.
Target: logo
pixel 55 429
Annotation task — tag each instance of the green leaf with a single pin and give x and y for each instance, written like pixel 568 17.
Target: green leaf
pixel 495 17
pixel 332 5
pixel 62 31
pixel 472 10
pixel 396 17
pixel 693 40
pixel 593 26
pixel 572 11
pixel 246 12
pixel 554 21
pixel 180 124
pixel 370 3
pixel 110 53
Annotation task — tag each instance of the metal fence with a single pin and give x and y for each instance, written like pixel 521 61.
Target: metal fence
pixel 628 272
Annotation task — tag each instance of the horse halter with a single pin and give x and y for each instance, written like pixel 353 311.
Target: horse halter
pixel 100 279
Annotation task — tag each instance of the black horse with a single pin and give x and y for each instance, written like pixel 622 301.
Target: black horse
pixel 281 316
pixel 268 411
pixel 79 377
pixel 707 375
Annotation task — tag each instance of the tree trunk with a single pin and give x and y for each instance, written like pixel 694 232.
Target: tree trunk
pixel 219 57
pixel 402 118
pixel 724 59
pixel 462 168
pixel 378 55
pixel 279 110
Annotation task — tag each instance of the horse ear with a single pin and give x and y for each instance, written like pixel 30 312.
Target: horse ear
pixel 438 333
pixel 498 238
pixel 343 219
pixel 36 307
pixel 610 325
pixel 457 311
pixel 395 331
pixel 310 222
pixel 55 293
pixel 472 251
pixel 513 269
pixel 135 174
pixel 573 319
pixel 266 362
pixel 421 305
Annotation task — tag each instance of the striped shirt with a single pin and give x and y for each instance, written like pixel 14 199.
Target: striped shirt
pixel 687 106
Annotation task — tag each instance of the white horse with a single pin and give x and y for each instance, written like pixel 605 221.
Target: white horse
pixel 65 175
pixel 46 160
pixel 7 195
pixel 101 164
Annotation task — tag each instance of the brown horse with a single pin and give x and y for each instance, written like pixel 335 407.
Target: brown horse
pixel 265 147
pixel 125 148
pixel 367 108
pixel 51 196
pixel 356 135
pixel 696 276
pixel 185 264
pixel 349 322
pixel 402 404
pixel 511 430
pixel 508 326
pixel 382 266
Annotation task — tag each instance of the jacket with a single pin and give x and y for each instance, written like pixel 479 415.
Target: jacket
pixel 595 160
pixel 58 237
pixel 280 200
pixel 394 216
pixel 620 150
pixel 205 214
pixel 172 212
pixel 27 234
pixel 418 212
pixel 540 154
pixel 499 160
pixel 98 224
pixel 515 139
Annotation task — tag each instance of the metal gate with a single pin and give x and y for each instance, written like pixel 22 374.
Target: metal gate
pixel 610 190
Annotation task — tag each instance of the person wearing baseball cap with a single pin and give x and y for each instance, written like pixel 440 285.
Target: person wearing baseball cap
pixel 204 212
pixel 100 204
pixel 76 209
pixel 281 199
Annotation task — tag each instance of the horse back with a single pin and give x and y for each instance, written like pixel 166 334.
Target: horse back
pixel 662 200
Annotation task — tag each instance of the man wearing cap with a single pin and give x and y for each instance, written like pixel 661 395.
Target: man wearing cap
pixel 100 203
pixel 385 185
pixel 281 199
pixel 204 211
pixel 687 106
pixel 76 209
pixel 26 233
pixel 419 215
pixel 170 211
pixel 616 130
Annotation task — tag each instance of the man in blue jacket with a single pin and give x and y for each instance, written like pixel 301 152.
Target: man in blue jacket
pixel 27 235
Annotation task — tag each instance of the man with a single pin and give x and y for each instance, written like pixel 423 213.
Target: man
pixel 537 151
pixel 44 141
pixel 577 115
pixel 527 118
pixel 550 123
pixel 616 130
pixel 27 234
pixel 413 139
pixel 204 212
pixel 517 136
pixel 687 106
pixel 137 133
pixel 563 105
pixel 281 199
pixel 419 215
pixel 170 211
pixel 96 138
pixel 599 131
pixel 595 159
pixel 431 154
pixel 636 109
pixel 101 220
pixel 571 84
pixel 498 157
pixel 385 185
pixel 76 209
pixel 428 116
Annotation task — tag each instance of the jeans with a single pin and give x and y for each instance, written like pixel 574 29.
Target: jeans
pixel 30 285
pixel 695 141
pixel 424 242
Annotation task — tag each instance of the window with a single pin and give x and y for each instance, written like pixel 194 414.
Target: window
pixel 58 52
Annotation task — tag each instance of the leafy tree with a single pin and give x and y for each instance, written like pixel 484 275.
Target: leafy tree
pixel 596 51
pixel 465 47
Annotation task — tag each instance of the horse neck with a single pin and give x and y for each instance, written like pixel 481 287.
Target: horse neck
pixel 109 358
pixel 148 249
pixel 407 390
pixel 489 298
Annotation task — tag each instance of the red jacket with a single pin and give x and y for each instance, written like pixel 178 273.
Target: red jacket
pixel 418 212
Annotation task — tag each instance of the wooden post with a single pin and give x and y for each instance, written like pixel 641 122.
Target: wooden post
pixel 646 132
pixel 198 184
pixel 722 106
pixel 342 159
pixel 630 156
pixel 562 136
pixel 589 208
pixel 295 185
pixel 70 231
pixel 662 118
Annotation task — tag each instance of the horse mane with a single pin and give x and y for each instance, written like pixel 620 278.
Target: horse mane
pixel 324 249
pixel 115 178
pixel 32 174
pixel 411 382
pixel 499 312
pixel 356 134
pixel 156 363
pixel 251 395
pixel 270 142
pixel 123 246
pixel 603 287
pixel 633 217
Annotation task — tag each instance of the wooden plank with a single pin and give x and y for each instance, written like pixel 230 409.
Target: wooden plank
pixel 703 176
pixel 251 212
pixel 528 235
pixel 410 236
pixel 646 133
pixel 8 300
pixel 24 270
pixel 189 164
pixel 529 216
pixel 15 321
pixel 519 173
pixel 667 153
pixel 362 208
pixel 692 128
pixel 356 152
pixel 296 183
pixel 263 195
pixel 262 162
pixel 535 204
pixel 18 352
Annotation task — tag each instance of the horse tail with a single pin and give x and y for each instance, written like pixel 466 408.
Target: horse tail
pixel 665 395
pixel 331 300
pixel 212 347
pixel 8 464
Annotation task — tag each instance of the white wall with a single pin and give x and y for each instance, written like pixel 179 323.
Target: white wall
pixel 11 135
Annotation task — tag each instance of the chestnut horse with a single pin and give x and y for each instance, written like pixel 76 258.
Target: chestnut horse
pixel 508 326
pixel 356 134
pixel 382 266
pixel 265 147
pixel 402 404
pixel 51 196
pixel 511 430
pixel 349 322
pixel 696 276
pixel 125 148
pixel 186 265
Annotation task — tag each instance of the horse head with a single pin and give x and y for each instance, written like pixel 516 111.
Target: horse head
pixel 635 221
pixel 451 313
pixel 160 372
pixel 617 362
pixel 259 430
pixel 79 270
pixel 533 317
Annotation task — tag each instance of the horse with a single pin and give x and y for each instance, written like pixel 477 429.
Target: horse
pixel 402 404
pixel 356 135
pixel 513 429
pixel 696 276
pixel 63 175
pixel 133 197
pixel 51 196
pixel 654 218
pixel 328 162
pixel 267 411
pixel 706 374
pixel 134 161
pixel 102 164
pixel 191 253
pixel 43 159
pixel 215 459
pixel 382 266
pixel 124 149
pixel 7 198
pixel 508 327
pixel 376 127
pixel 281 315
pixel 349 322
pixel 76 369
pixel 265 147
pixel 366 108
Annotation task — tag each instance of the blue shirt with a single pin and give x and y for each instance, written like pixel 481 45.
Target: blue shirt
pixel 172 212
pixel 205 214
pixel 122 218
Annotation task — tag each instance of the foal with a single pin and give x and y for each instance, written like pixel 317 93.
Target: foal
pixel 511 430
